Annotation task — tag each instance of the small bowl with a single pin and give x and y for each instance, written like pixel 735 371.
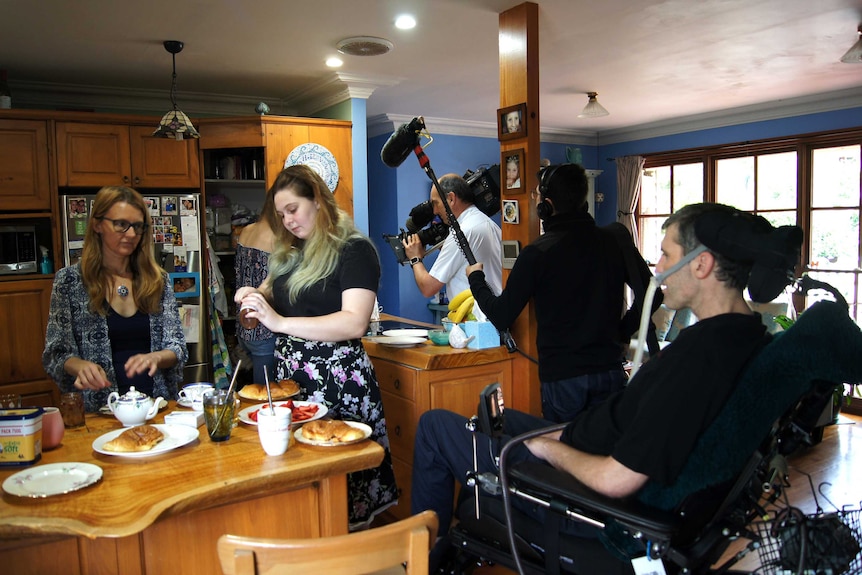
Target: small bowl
pixel 439 336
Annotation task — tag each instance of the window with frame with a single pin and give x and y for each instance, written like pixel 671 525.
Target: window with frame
pixel 813 181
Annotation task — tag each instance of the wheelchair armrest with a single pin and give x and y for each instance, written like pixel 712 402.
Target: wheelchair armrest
pixel 545 482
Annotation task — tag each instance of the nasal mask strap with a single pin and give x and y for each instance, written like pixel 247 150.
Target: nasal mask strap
pixel 646 312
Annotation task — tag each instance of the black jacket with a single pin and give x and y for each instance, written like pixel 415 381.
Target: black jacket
pixel 575 274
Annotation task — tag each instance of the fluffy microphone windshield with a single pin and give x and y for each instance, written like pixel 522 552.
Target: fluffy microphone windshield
pixel 401 143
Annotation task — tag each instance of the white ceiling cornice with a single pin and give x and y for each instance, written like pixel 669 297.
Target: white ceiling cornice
pixel 342 87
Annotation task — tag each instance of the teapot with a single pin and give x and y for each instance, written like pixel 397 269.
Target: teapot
pixel 133 408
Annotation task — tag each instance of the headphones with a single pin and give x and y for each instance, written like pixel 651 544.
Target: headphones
pixel 545 209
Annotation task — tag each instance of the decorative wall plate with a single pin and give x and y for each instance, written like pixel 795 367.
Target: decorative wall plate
pixel 318 159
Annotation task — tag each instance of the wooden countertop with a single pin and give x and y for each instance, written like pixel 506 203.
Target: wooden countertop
pixel 430 356
pixel 135 492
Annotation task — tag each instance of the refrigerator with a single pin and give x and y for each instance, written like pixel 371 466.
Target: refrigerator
pixel 175 222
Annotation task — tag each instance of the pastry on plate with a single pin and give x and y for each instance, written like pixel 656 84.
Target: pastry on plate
pixel 280 390
pixel 140 438
pixel 331 431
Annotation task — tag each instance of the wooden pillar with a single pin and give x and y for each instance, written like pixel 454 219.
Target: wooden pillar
pixel 519 83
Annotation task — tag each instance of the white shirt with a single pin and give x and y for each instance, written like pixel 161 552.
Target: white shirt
pixel 485 239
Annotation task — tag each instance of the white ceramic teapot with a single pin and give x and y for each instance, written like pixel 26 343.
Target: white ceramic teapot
pixel 133 408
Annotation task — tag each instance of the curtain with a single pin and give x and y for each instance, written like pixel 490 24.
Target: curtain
pixel 629 176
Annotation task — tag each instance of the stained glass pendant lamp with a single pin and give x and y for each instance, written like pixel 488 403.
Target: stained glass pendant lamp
pixel 175 124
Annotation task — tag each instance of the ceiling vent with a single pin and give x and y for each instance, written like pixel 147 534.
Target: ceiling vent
pixel 364 46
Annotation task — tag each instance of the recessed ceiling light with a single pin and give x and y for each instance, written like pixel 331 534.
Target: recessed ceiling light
pixel 405 22
pixel 334 62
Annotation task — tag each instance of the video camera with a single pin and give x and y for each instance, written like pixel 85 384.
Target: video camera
pixel 485 185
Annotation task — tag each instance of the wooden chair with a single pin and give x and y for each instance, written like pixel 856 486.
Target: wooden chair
pixel 407 541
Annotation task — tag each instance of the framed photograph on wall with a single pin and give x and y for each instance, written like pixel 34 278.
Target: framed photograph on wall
pixel 511 168
pixel 186 284
pixel 512 122
pixel 511 213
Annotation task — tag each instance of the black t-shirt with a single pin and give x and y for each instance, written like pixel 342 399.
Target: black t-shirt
pixel 358 267
pixel 652 425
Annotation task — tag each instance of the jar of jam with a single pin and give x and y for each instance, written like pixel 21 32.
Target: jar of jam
pixel 245 321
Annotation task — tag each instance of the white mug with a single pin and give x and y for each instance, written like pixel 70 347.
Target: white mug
pixel 193 394
pixel 274 429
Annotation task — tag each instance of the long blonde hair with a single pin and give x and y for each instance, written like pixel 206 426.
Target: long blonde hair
pixel 315 258
pixel 147 277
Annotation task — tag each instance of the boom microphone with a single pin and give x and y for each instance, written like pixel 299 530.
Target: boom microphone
pixel 402 141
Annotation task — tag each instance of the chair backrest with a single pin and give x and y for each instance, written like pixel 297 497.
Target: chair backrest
pixel 406 541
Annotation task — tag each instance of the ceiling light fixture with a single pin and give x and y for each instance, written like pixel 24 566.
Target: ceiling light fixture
pixel 334 62
pixel 175 124
pixel 364 46
pixel 854 54
pixel 593 109
pixel 405 22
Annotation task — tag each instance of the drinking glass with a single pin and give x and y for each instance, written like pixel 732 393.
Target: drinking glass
pixel 72 408
pixel 219 410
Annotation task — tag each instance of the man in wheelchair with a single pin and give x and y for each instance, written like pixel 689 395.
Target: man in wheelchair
pixel 645 433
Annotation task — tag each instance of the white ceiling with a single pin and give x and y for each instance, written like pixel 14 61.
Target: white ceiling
pixel 651 61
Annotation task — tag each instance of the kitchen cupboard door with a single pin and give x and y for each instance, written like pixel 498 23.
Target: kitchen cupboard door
pixel 96 155
pixel 93 155
pixel 24 309
pixel 24 167
pixel 163 162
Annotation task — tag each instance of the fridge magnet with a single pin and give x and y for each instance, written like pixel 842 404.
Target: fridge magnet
pixel 512 122
pixel 185 284
pixel 511 162
pixel 154 205
pixel 77 208
pixel 511 214
pixel 188 207
pixel 180 263
pixel 169 208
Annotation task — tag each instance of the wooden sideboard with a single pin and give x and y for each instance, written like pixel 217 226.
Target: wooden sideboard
pixel 164 514
pixel 414 380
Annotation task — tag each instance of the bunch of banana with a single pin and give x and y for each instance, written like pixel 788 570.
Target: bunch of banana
pixel 461 306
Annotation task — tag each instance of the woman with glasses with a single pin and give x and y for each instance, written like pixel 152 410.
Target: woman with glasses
pixel 113 322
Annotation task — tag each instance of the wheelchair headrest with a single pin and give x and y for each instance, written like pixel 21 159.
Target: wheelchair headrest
pixel 739 236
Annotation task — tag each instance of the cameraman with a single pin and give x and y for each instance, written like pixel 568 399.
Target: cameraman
pixel 483 235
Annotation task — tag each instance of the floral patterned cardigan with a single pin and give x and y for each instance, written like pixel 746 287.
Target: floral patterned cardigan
pixel 74 331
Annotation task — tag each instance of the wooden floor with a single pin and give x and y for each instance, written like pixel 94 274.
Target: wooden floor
pixel 831 461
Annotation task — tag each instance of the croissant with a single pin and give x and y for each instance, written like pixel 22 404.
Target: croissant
pixel 331 431
pixel 141 438
pixel 280 390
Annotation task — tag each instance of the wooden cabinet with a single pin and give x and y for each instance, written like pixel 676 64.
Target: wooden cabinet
pixel 95 155
pixel 24 165
pixel 414 380
pixel 278 136
pixel 24 309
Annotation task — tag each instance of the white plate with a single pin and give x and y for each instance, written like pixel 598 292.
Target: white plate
pixel 187 403
pixel 245 414
pixel 318 159
pixel 175 436
pixel 105 410
pixel 52 479
pixel 365 429
pixel 406 332
pixel 400 340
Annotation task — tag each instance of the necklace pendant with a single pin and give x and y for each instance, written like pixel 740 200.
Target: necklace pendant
pixel 122 291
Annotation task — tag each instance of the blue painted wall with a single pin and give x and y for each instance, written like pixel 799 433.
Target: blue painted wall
pixel 393 192
pixel 810 123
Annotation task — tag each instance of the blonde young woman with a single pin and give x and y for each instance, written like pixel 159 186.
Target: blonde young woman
pixel 113 321
pixel 318 298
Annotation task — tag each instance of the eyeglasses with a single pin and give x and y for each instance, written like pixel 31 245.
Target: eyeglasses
pixel 122 226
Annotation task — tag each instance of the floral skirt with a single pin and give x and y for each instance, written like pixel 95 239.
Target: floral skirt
pixel 340 375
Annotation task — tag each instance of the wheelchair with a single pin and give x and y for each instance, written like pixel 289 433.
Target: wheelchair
pixel 727 491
